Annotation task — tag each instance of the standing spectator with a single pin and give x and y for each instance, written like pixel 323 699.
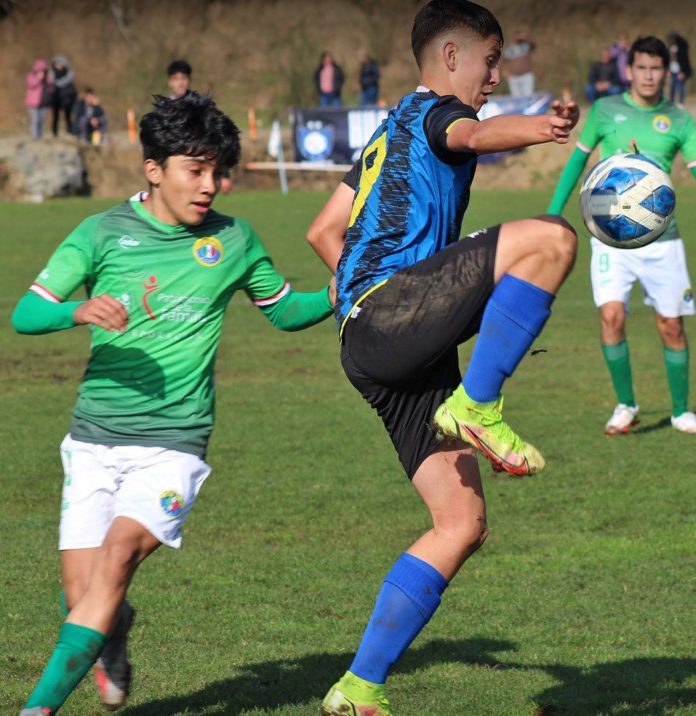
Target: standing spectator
pixel 179 78
pixel 37 97
pixel 619 53
pixel 90 118
pixel 517 65
pixel 603 79
pixel 328 79
pixel 679 67
pixel 369 80
pixel 65 94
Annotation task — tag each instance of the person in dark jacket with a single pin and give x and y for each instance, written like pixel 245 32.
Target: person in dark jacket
pixel 604 78
pixel 369 80
pixel 90 118
pixel 329 79
pixel 65 94
pixel 679 67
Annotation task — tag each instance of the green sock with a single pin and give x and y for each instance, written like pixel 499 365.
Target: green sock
pixel 619 364
pixel 77 649
pixel 677 365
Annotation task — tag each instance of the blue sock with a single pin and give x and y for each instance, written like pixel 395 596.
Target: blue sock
pixel 409 596
pixel 514 316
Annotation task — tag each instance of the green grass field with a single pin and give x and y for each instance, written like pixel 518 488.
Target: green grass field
pixel 581 602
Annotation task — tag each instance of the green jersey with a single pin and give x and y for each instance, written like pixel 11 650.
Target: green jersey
pixel 659 132
pixel 153 384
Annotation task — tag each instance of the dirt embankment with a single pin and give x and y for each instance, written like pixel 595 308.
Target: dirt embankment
pixel 261 54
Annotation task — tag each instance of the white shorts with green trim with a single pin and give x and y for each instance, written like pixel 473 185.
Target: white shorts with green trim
pixel 154 486
pixel 660 268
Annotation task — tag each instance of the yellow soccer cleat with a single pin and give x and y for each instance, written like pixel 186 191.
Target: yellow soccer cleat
pixel 482 425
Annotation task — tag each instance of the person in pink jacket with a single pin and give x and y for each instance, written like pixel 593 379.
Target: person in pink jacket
pixel 37 96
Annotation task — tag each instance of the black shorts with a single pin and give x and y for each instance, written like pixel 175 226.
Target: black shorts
pixel 399 347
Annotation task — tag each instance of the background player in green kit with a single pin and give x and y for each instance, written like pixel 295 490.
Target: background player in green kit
pixel 159 270
pixel 659 129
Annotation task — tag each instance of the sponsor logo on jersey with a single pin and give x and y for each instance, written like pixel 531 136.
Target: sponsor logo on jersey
pixel 618 118
pixel 150 285
pixel 128 242
pixel 688 296
pixel 124 298
pixel 208 251
pixel 662 123
pixel 172 503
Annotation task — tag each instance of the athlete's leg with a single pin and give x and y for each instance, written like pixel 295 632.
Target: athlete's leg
pixel 85 631
pixel 676 358
pixel 533 258
pixel 76 568
pixel 449 483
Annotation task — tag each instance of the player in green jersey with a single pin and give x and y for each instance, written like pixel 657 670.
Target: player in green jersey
pixel 659 129
pixel 159 271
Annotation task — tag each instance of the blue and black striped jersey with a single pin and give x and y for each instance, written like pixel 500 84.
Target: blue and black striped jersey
pixel 411 195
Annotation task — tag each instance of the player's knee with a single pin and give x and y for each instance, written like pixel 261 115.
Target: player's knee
pixel 120 560
pixel 472 533
pixel 560 244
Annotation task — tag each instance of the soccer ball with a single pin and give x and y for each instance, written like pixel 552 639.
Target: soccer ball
pixel 627 201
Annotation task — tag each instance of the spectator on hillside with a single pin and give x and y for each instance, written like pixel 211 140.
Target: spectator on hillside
pixel 179 78
pixel 38 97
pixel 328 80
pixel 604 78
pixel 369 80
pixel 517 65
pixel 65 94
pixel 619 53
pixel 90 118
pixel 679 67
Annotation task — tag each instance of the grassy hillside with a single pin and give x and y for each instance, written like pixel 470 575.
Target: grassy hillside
pixel 261 53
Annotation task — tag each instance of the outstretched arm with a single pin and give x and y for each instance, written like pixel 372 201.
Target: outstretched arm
pixel 567 181
pixel 35 315
pixel 508 132
pixel 327 233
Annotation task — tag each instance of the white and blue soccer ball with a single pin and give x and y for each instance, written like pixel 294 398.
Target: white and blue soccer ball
pixel 627 201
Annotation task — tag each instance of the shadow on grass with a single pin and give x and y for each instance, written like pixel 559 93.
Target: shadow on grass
pixel 635 687
pixel 274 684
pixel 651 427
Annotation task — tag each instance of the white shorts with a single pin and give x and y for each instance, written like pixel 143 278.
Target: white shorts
pixel 660 268
pixel 154 486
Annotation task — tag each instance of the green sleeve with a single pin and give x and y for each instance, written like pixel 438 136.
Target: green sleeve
pixel 567 181
pixel 688 146
pixel 693 172
pixel 34 315
pixel 72 263
pixel 297 310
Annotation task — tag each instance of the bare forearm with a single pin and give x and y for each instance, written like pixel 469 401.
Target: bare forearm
pixel 499 134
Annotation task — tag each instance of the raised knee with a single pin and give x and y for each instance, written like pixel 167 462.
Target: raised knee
pixel 562 240
pixel 120 560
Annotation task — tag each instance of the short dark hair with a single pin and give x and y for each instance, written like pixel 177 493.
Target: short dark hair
pixel 439 16
pixel 192 126
pixel 650 45
pixel 179 66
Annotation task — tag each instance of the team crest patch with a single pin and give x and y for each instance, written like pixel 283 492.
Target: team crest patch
pixel 662 123
pixel 688 296
pixel 208 251
pixel 172 503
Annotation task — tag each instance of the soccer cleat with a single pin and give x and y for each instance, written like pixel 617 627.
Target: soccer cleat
pixel 482 425
pixel 622 420
pixel 112 670
pixel 337 703
pixel 36 711
pixel 685 423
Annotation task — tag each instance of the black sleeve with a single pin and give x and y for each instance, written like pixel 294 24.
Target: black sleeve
pixel 437 121
pixel 351 178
